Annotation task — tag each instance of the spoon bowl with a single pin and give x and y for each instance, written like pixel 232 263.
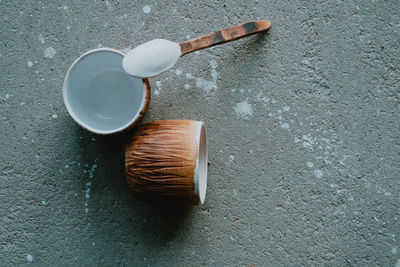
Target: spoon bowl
pixel 165 52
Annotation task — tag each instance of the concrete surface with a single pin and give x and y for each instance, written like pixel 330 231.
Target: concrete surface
pixel 303 131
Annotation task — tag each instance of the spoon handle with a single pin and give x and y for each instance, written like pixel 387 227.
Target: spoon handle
pixel 224 36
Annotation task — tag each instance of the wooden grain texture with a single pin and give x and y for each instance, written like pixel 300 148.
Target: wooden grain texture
pixel 224 36
pixel 145 107
pixel 160 161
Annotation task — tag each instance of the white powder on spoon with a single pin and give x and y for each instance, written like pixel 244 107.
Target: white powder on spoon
pixel 151 58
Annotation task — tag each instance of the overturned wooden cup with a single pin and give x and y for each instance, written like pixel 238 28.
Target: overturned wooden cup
pixel 166 161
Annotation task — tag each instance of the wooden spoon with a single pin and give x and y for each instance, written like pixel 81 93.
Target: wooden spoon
pixel 156 56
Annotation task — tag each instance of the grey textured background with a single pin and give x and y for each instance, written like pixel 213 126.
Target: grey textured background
pixel 303 133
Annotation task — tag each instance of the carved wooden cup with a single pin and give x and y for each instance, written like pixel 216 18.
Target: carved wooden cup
pixel 166 161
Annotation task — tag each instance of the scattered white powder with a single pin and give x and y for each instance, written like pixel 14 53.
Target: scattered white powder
pixel 159 89
pixel 54 116
pixel 29 257
pixel 49 52
pixel 285 125
pixel 178 72
pixel 92 170
pixel 308 141
pixel 65 7
pixel 265 100
pixel 318 173
pixel 206 85
pixel 30 64
pixel 88 185
pixel 310 164
pixel 231 158
pixel 41 38
pixel 214 73
pixel 286 108
pixel 187 86
pixel 147 9
pixel 394 250
pixel 108 6
pixel 68 28
pixel 243 109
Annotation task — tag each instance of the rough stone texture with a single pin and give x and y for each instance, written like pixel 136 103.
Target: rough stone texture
pixel 303 132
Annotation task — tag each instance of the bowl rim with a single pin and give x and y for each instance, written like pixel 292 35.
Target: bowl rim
pixel 139 114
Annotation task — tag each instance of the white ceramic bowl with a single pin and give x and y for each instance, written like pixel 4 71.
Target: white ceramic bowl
pixel 100 96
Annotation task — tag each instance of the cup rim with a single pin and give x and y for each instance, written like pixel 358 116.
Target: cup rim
pixel 139 114
pixel 201 169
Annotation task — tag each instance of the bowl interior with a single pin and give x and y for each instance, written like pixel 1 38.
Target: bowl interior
pixel 100 95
